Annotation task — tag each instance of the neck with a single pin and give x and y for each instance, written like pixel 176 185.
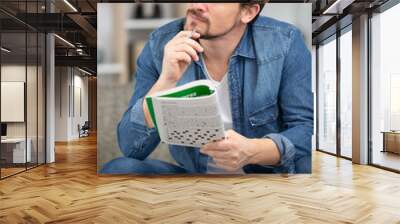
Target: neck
pixel 221 48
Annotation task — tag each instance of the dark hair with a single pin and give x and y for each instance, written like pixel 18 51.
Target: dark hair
pixel 261 3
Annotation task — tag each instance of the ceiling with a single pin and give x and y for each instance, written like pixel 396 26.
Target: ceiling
pixel 77 25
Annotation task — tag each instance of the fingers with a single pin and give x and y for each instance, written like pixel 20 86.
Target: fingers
pixel 183 56
pixel 220 150
pixel 194 44
pixel 188 50
pixel 222 145
pixel 229 142
pixel 179 53
pixel 182 43
pixel 230 134
pixel 188 34
pixel 221 155
pixel 226 153
pixel 232 155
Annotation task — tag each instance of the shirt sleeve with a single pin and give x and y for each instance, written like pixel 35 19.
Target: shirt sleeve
pixel 296 106
pixel 135 139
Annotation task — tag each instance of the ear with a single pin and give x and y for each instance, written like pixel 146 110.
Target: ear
pixel 249 13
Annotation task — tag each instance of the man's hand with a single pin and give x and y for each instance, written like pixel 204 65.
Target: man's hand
pixel 237 151
pixel 179 52
pixel 231 153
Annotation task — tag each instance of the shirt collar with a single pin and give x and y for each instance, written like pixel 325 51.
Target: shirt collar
pixel 245 47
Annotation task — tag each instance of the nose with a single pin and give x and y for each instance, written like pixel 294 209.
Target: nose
pixel 202 7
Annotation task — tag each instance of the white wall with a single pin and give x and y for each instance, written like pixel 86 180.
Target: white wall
pixel 14 72
pixel 67 115
pixel 61 103
pixel 80 83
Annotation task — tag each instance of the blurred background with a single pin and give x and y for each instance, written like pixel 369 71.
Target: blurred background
pixel 123 30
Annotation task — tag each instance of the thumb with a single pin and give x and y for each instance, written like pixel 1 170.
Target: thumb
pixel 230 133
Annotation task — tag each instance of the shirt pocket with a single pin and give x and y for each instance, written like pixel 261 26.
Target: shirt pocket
pixel 264 115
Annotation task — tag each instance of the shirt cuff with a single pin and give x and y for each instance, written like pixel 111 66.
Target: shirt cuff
pixel 133 134
pixel 136 116
pixel 287 153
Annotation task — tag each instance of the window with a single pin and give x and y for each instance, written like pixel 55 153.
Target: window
pixel 346 75
pixel 327 96
pixel 385 89
pixel 22 76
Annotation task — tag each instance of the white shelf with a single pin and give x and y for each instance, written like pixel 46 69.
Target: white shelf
pixel 109 69
pixel 145 24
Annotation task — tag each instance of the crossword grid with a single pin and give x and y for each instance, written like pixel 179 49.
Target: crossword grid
pixel 191 124
pixel 194 137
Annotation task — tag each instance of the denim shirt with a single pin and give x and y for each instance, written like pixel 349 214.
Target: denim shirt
pixel 269 76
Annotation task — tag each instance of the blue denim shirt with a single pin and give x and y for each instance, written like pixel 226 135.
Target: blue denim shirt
pixel 269 78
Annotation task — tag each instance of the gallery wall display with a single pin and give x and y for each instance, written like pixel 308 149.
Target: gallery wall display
pixel 12 98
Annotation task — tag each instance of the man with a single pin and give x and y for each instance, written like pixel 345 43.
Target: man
pixel 266 69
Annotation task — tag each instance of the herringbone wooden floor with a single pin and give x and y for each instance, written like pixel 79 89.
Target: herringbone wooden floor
pixel 70 191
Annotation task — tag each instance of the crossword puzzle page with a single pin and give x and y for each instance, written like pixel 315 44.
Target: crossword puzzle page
pixel 188 115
